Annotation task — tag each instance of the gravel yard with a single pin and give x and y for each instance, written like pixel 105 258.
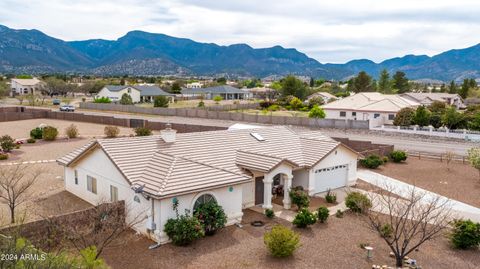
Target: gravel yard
pixel 331 245
pixel 459 181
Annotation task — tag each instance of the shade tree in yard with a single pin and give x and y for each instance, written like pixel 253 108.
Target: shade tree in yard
pixel 404 117
pixel 422 116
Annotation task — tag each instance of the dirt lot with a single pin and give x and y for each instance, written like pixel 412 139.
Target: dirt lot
pixel 331 245
pixel 460 181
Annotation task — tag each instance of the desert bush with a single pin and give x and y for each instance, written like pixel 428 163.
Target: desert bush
pixel 104 99
pixel 299 198
pixel 465 234
pixel 331 197
pixel 372 161
pixel 304 218
pixel 316 112
pixel 211 216
pixel 31 140
pixel 269 213
pixel 143 131
pixel 357 202
pixel 111 131
pixel 7 143
pixel 398 156
pixel 3 156
pixel 281 241
pixel 386 230
pixel 295 103
pixel 201 104
pixel 339 213
pixel 36 133
pixel 71 131
pixel 49 133
pixel 217 99
pixel 322 214
pixel 160 101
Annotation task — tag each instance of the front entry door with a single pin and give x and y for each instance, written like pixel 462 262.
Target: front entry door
pixel 259 190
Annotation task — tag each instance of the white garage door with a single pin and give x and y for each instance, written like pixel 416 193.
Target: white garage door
pixel 331 178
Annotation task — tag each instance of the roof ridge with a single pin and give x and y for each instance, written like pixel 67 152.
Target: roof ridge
pixel 167 175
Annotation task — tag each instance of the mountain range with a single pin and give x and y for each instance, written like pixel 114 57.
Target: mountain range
pixel 143 53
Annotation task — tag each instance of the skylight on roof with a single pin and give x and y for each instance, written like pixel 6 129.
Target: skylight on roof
pixel 257 136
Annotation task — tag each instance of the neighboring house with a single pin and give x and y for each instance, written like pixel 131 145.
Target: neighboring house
pixel 25 86
pixel 327 97
pixel 236 168
pixel 194 85
pixel 138 93
pixel 262 93
pixel 378 108
pixel 225 91
pixel 427 99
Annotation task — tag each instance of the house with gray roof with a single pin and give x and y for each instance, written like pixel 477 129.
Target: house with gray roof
pixel 225 91
pixel 139 93
pixel 427 98
pixel 237 168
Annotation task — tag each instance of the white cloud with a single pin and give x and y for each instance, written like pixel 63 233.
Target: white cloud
pixel 329 31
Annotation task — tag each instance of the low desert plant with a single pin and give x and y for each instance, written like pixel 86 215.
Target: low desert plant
pixel 7 143
pixel 281 241
pixel 304 218
pixel 331 197
pixel 3 156
pixel 398 156
pixel 322 214
pixel 143 131
pixel 316 112
pixel 50 133
pixel 465 234
pixel 339 213
pixel 211 216
pixel 372 161
pixel 357 202
pixel 36 133
pixel 31 140
pixel 217 99
pixel 299 198
pixel 104 100
pixel 111 131
pixel 386 230
pixel 201 104
pixel 71 131
pixel 269 213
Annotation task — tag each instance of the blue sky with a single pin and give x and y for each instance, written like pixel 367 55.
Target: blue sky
pixel 329 31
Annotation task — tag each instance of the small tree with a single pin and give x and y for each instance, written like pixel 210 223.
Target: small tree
pixel 160 101
pixel 281 241
pixel 422 116
pixel 176 88
pixel 453 119
pixel 71 131
pixel 406 222
pixel 316 112
pixel 126 99
pixel 7 143
pixel 474 158
pixel 15 182
pixel 217 99
pixel 404 117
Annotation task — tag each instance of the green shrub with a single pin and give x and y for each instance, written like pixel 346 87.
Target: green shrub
pixel 304 218
pixel 217 99
pixel 386 230
pixel 385 159
pixel 339 213
pixel 126 99
pixel 31 140
pixel 465 234
pixel 143 131
pixel 160 101
pixel 104 99
pixel 281 241
pixel 331 197
pixel 7 143
pixel 269 213
pixel 50 133
pixel 372 161
pixel 295 103
pixel 211 216
pixel 266 104
pixel 36 133
pixel 322 214
pixel 357 202
pixel 3 156
pixel 184 229
pixel 111 131
pixel 299 198
pixel 71 131
pixel 316 112
pixel 398 156
pixel 201 104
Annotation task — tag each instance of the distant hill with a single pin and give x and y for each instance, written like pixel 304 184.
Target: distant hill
pixel 142 53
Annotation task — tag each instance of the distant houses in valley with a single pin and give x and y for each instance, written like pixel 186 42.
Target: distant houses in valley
pixel 225 91
pixel 138 93
pixel 20 86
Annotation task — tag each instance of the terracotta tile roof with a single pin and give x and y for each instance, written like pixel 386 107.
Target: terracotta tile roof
pixel 208 159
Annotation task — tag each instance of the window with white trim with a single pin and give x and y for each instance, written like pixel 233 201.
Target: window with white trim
pixel 92 184
pixel 343 114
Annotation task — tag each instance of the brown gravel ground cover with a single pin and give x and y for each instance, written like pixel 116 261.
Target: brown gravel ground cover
pixel 459 181
pixel 331 245
pixel 315 203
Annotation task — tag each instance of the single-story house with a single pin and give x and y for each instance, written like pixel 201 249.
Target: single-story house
pixel 236 168
pixel 427 99
pixel 25 86
pixel 378 108
pixel 263 93
pixel 327 97
pixel 225 91
pixel 138 93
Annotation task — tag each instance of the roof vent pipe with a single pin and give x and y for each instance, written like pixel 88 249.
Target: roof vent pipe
pixel 168 134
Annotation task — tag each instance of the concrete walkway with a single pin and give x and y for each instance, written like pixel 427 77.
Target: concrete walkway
pixel 402 189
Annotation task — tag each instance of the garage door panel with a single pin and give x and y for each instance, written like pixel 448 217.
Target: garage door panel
pixel 330 177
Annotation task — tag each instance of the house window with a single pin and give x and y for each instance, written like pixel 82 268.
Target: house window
pixel 113 193
pixel 354 114
pixel 92 184
pixel 391 116
pixel 343 114
pixel 203 199
pixel 76 177
pixel 376 115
